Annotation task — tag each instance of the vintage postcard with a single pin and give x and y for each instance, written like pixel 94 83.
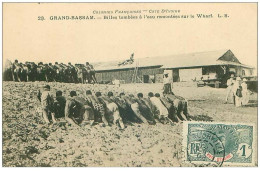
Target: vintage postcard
pixel 129 85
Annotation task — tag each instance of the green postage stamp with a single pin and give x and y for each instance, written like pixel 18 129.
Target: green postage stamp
pixel 220 144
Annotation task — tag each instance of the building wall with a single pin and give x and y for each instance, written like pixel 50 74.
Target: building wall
pixel 191 74
pixel 241 71
pixel 245 71
pixel 127 74
pixel 108 76
pixel 155 74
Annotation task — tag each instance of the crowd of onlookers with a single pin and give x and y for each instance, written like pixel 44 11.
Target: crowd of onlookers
pixel 238 89
pixel 58 72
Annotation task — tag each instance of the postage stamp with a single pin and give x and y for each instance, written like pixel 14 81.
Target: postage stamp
pixel 220 144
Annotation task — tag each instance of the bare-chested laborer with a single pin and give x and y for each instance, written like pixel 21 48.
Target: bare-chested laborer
pixel 88 114
pixel 59 106
pixel 145 110
pixel 163 112
pixel 126 113
pixel 153 108
pixel 99 111
pixel 16 67
pixel 180 104
pixel 112 112
pixel 132 102
pixel 125 108
pixel 74 109
pixel 46 100
pixel 170 107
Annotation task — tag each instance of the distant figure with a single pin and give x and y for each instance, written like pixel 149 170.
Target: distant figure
pixel 72 73
pixel 57 70
pixel 80 73
pixel 7 71
pixel 16 71
pixel 167 84
pixel 128 61
pixel 238 97
pixel 245 95
pixel 46 100
pixel 230 83
pixel 132 58
pixel 237 92
pixel 91 73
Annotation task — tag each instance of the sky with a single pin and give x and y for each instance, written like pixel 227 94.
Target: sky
pixel 27 39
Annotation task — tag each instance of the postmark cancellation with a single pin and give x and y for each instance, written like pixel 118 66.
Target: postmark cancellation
pixel 219 144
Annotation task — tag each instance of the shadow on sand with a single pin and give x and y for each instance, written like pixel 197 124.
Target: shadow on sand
pixel 201 118
pixel 252 103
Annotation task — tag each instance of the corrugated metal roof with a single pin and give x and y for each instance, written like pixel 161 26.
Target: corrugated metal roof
pixel 174 61
pixel 194 59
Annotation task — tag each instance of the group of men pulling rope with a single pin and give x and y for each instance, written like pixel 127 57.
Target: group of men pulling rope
pixel 109 109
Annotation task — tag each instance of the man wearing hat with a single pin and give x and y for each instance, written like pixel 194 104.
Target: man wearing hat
pixel 230 83
pixel 167 87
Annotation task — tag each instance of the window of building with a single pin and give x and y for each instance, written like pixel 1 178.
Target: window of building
pixel 251 72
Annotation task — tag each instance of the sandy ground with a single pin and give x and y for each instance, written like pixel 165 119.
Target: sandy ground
pixel 27 141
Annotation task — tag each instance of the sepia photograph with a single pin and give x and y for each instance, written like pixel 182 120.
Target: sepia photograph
pixel 129 85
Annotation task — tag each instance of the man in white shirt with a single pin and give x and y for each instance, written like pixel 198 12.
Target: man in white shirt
pixel 230 83
pixel 167 87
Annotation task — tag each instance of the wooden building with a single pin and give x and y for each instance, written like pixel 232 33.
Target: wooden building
pixel 185 67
